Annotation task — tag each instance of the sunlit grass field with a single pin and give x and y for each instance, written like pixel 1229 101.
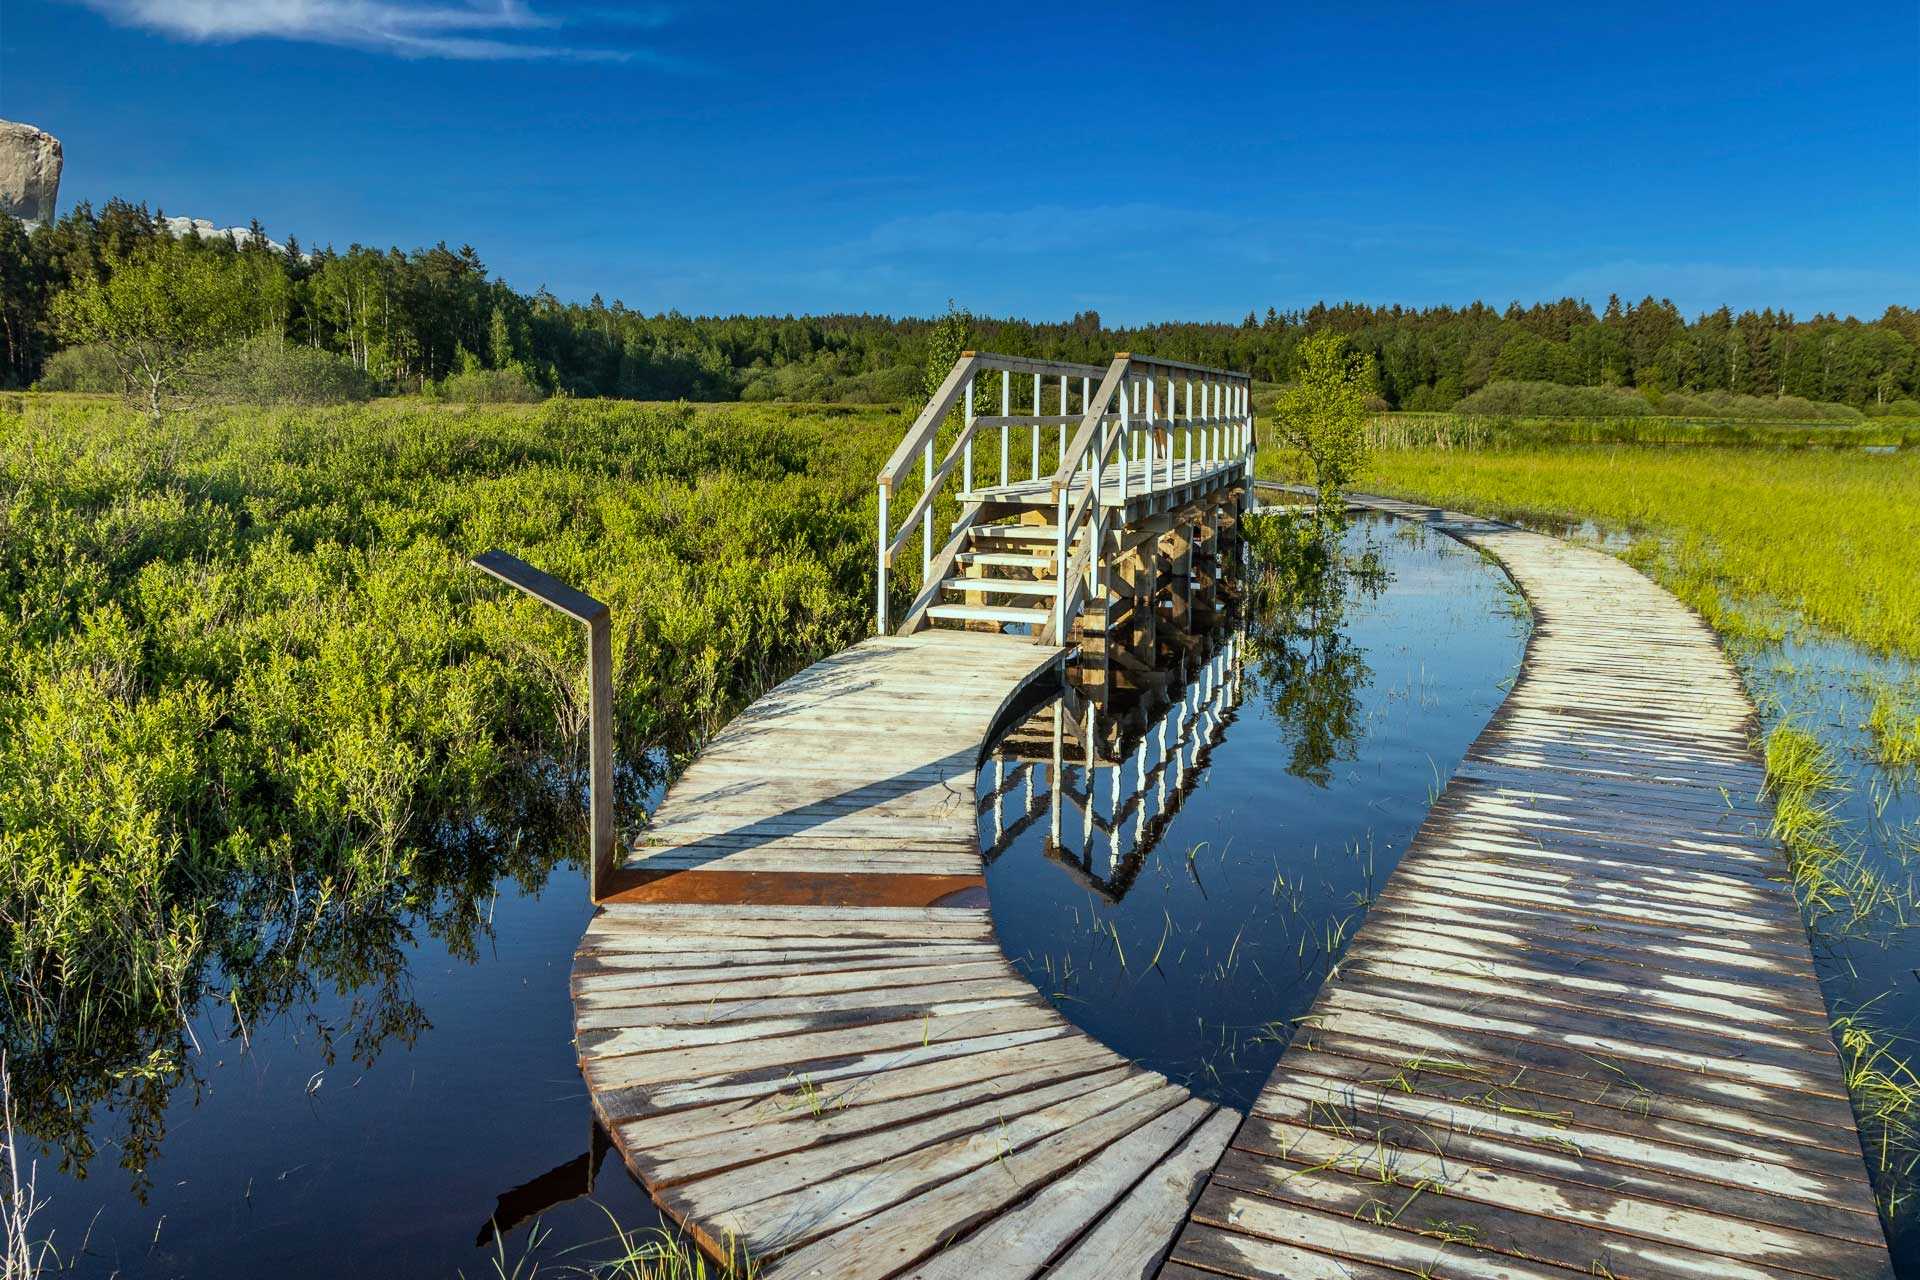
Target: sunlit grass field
pixel 1830 535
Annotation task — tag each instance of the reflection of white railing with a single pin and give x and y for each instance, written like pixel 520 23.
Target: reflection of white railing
pixel 1145 784
pixel 1147 427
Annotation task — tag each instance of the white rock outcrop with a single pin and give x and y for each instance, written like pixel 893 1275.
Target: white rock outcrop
pixel 178 227
pixel 29 171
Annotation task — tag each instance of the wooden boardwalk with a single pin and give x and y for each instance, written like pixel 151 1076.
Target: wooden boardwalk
pixel 798 1026
pixel 1579 1032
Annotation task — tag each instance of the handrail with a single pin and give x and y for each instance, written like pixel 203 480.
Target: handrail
pixel 1215 420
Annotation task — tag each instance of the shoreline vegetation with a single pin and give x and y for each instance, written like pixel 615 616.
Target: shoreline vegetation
pixel 259 720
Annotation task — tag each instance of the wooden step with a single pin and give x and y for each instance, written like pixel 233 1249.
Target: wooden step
pixel 1006 559
pixel 1015 533
pixel 990 613
pixel 1007 586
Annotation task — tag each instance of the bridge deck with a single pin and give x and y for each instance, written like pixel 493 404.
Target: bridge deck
pixel 1580 1030
pixel 1579 1033
pixel 801 1051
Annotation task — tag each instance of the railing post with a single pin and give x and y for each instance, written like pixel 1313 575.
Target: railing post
pixel 1061 539
pixel 1086 403
pixel 967 448
pixel 598 620
pixel 880 587
pixel 1006 411
pixel 926 516
pixel 1063 426
pixel 1146 472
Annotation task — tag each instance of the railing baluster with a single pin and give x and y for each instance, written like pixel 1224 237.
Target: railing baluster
pixel 1146 472
pixel 926 517
pixel 1006 411
pixel 1036 427
pixel 1063 426
pixel 1170 450
pixel 1189 430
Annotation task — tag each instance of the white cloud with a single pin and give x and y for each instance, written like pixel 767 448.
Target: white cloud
pixel 476 31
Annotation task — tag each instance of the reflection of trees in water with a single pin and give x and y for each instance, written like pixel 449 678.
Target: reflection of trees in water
pixel 1299 657
pixel 278 941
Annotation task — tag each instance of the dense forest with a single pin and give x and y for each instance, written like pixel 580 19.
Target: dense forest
pixel 407 321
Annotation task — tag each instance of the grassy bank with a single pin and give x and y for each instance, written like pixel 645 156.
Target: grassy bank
pixel 1480 432
pixel 1832 537
pixel 255 710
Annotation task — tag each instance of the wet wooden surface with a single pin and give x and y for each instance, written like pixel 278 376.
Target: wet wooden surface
pixel 802 1052
pixel 1580 1031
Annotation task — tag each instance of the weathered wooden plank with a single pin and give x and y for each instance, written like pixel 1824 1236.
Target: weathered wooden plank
pixel 1580 1029
pixel 1130 1241
pixel 963 1184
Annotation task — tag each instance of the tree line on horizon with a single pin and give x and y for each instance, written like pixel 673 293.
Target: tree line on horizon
pixel 409 321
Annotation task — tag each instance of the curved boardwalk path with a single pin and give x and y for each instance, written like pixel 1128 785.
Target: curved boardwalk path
pixel 799 1054
pixel 1579 1033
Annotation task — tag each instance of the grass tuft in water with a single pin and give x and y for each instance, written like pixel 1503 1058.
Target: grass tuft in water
pixel 1831 879
pixel 1885 1092
pixel 1893 723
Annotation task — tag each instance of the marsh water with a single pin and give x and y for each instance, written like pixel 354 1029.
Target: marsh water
pixel 1180 874
pixel 412 1107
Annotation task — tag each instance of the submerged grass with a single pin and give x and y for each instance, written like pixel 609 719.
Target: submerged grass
pixel 1893 723
pixel 1886 1094
pixel 1838 887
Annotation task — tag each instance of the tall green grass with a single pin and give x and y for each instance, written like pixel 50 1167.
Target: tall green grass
pixel 1830 536
pixel 1481 432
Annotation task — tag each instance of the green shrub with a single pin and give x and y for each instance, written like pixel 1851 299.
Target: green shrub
pixel 1550 399
pixel 1724 404
pixel 82 368
pixel 269 371
pixel 511 385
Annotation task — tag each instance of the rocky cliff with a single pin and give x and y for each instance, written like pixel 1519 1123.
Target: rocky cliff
pixel 29 171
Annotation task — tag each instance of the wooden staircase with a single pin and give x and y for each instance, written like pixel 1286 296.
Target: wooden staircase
pixel 1000 575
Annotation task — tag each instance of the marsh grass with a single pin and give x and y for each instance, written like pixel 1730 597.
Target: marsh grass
pixel 1823 537
pixel 653 1253
pixel 1467 432
pixel 1835 883
pixel 22 1256
pixel 1886 1094
pixel 1893 722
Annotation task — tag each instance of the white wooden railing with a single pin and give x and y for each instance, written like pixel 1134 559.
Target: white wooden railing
pixel 1170 416
pixel 1066 384
pixel 1166 417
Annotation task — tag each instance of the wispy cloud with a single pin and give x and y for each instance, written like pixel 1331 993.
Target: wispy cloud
pixel 491 30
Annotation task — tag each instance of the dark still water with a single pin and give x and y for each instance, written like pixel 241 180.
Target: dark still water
pixel 1182 899
pixel 417 1083
pixel 377 1130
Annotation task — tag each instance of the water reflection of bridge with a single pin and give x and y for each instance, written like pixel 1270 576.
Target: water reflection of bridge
pixel 1145 754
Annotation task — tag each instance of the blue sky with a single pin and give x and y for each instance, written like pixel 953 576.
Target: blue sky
pixel 1149 162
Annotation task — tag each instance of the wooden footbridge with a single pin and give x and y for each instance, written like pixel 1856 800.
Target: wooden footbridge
pixel 1578 1035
